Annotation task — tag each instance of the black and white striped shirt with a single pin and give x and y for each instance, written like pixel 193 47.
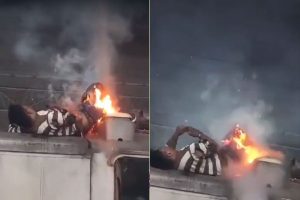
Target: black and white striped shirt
pixel 207 163
pixel 14 128
pixel 50 122
pixel 200 157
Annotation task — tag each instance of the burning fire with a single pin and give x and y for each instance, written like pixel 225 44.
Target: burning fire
pixel 104 103
pixel 252 150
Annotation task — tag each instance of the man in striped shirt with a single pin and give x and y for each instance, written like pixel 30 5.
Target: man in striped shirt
pixel 203 157
pixel 52 121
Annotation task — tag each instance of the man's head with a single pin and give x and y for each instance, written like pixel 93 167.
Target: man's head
pixel 163 158
pixel 23 116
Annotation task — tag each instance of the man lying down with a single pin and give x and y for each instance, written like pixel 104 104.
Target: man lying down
pixel 58 121
pixel 203 157
pixel 55 121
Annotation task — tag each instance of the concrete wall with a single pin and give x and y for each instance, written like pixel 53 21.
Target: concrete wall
pixel 67 168
pixel 168 194
pixel 190 183
pixel 44 168
pixel 171 184
pixel 102 179
pixel 31 176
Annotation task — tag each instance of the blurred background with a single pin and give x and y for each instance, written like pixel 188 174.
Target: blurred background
pixel 218 63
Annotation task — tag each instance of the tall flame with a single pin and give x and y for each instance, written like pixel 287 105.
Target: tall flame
pixel 252 151
pixel 104 103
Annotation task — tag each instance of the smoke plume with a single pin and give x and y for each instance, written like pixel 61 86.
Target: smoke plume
pixel 238 102
pixel 213 102
pixel 223 65
pixel 75 43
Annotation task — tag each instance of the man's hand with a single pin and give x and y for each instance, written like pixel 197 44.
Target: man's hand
pixel 188 129
pixel 172 142
pixel 70 119
pixel 181 129
pixel 197 133
pixel 194 133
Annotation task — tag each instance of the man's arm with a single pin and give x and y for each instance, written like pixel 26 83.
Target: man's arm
pixel 210 144
pixel 197 133
pixel 172 142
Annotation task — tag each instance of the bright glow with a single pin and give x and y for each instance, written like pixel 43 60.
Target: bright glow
pixel 104 103
pixel 252 150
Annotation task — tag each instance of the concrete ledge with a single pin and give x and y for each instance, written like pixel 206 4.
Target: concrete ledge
pixel 51 145
pixel 172 179
pixel 209 185
pixel 138 147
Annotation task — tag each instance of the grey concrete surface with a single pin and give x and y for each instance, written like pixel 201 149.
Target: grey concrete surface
pixel 52 145
pixel 216 186
pixel 62 168
pixel 35 176
pixel 176 180
pixel 170 194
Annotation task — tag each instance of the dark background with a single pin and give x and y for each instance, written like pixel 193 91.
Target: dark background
pixel 213 61
pixel 33 33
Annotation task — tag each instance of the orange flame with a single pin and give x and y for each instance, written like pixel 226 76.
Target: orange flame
pixel 252 151
pixel 104 103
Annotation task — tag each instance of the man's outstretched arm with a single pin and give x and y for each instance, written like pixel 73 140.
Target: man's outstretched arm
pixel 172 142
pixel 198 134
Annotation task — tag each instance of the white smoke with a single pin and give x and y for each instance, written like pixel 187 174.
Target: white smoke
pixel 71 97
pixel 70 64
pixel 51 91
pixel 230 99
pixel 249 117
pixel 25 48
pixel 29 46
pixel 82 46
pixel 109 30
pixel 263 183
